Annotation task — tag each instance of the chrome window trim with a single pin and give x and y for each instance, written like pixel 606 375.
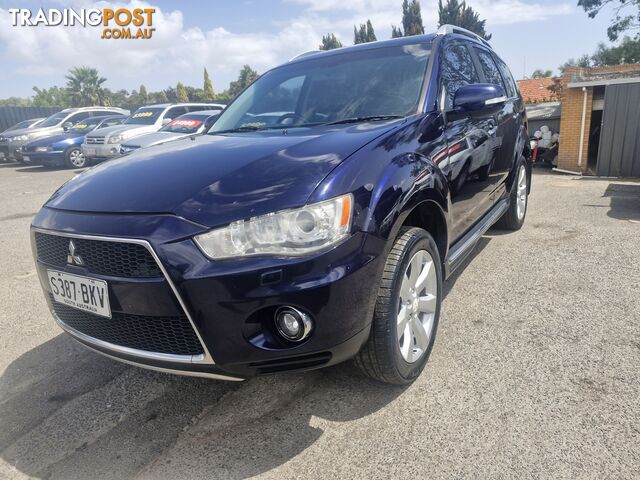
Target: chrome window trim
pixel 206 358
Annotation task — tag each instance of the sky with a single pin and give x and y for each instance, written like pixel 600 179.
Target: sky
pixel 223 35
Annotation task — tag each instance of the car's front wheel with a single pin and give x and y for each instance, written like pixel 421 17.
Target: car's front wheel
pixel 74 158
pixel 407 310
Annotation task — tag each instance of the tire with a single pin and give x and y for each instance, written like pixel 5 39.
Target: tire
pixel 513 218
pixel 385 357
pixel 74 158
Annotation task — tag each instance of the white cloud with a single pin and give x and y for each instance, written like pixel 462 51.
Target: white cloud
pixel 42 55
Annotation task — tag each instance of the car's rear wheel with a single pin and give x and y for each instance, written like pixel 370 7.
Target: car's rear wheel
pixel 407 310
pixel 513 218
pixel 74 158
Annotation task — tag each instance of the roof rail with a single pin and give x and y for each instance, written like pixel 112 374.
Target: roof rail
pixel 304 54
pixel 446 29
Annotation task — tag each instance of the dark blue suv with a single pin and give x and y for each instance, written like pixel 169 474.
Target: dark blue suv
pixel 316 222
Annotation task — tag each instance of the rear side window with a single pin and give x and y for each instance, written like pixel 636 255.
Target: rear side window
pixel 489 68
pixel 457 70
pixel 512 90
pixel 175 112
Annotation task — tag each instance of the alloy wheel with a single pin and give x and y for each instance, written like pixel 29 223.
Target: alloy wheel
pixel 417 306
pixel 522 193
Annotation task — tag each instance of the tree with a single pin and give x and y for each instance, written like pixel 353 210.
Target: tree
pixel 182 95
pixel 208 94
pixel 628 51
pixel 462 15
pixel 583 62
pixel 329 42
pixel 626 15
pixel 84 85
pixel 15 102
pixel 161 97
pixel 50 97
pixel 364 34
pixel 541 74
pixel 411 20
pixel 245 78
pixel 143 96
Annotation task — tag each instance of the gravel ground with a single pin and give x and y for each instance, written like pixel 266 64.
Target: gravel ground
pixel 535 372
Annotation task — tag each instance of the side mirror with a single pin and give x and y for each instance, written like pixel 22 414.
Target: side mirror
pixel 166 121
pixel 67 125
pixel 479 97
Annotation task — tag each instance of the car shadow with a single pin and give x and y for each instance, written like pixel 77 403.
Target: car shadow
pixel 66 412
pixel 625 201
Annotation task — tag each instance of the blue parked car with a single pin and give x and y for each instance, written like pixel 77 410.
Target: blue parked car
pixel 64 149
pixel 315 222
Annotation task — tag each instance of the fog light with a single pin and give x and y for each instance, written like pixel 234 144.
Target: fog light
pixel 293 324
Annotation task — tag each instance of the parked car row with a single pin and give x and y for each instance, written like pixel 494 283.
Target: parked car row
pixel 78 137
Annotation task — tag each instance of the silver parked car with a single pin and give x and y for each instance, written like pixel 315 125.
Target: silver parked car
pixel 106 144
pixel 184 126
pixel 32 122
pixel 12 142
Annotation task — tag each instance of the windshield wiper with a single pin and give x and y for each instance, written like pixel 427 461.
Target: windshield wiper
pixel 244 128
pixel 368 118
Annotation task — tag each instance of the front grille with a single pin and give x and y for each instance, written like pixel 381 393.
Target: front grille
pixel 95 140
pixel 114 259
pixel 170 335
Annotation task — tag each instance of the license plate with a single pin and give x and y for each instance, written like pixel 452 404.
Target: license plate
pixel 89 151
pixel 84 293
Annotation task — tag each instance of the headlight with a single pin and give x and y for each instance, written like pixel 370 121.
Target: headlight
pixel 289 233
pixel 19 138
pixel 116 139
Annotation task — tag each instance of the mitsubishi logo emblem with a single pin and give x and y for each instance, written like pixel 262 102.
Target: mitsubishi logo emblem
pixel 72 258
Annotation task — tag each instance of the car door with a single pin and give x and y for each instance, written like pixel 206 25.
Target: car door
pixel 470 141
pixel 506 120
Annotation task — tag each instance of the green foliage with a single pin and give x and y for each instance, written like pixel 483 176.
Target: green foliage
pixel 411 20
pixel 583 62
pixel 462 15
pixel 182 95
pixel 84 85
pixel 161 97
pixel 143 96
pixel 628 51
pixel 15 102
pixel 50 97
pixel 246 78
pixel 364 34
pixel 208 94
pixel 542 74
pixel 626 15
pixel 329 42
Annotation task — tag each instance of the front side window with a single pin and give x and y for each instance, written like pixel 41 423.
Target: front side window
pixel 489 68
pixel 111 122
pixel 144 116
pixel 378 82
pixel 458 70
pixel 78 116
pixel 510 83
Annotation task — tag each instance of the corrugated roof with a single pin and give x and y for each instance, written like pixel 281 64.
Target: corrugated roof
pixel 536 90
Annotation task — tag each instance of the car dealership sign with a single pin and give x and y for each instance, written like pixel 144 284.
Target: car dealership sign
pixel 121 23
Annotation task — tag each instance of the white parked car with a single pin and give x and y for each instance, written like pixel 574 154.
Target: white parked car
pixel 187 125
pixel 106 143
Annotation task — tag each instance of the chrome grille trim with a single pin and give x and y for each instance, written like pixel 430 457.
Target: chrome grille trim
pixel 202 359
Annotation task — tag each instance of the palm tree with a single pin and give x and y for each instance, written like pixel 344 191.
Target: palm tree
pixel 85 87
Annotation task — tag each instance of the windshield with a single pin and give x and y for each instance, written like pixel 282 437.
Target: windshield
pixel 20 125
pixel 380 82
pixel 144 116
pixel 84 126
pixel 184 124
pixel 54 119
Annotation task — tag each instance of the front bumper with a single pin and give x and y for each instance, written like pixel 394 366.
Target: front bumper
pixel 43 158
pixel 229 304
pixel 101 152
pixel 12 149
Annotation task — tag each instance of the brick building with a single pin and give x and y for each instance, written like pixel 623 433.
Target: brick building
pixel 600 121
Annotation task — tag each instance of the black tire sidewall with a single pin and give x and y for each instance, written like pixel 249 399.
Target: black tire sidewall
pixel 421 240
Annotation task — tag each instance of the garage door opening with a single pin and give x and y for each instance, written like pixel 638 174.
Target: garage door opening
pixel 594 140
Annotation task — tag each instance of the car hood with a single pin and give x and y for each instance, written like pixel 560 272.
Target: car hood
pixel 216 179
pixel 127 131
pixel 155 138
pixel 34 132
pixel 66 138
